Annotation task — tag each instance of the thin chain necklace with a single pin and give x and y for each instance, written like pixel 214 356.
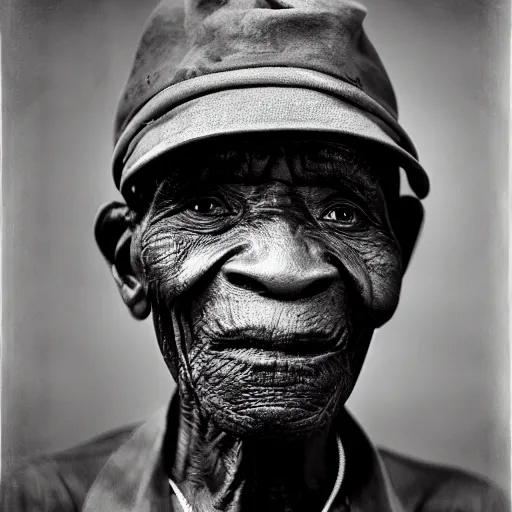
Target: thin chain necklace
pixel 337 485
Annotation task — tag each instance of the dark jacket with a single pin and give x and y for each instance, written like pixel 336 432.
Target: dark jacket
pixel 124 471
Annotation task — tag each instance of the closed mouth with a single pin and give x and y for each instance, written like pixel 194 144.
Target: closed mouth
pixel 297 344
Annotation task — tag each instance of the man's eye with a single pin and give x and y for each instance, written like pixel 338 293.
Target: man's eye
pixel 207 206
pixel 344 215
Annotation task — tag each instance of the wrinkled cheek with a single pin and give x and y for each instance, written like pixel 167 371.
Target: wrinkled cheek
pixel 161 264
pixel 172 265
pixel 176 262
pixel 386 286
pixel 374 273
pixel 162 267
pixel 165 336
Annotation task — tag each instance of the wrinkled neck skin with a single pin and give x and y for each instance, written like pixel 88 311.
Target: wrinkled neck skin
pixel 220 472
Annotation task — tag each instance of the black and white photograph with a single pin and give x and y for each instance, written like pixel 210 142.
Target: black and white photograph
pixel 255 256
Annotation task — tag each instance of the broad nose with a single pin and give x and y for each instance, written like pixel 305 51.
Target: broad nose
pixel 284 265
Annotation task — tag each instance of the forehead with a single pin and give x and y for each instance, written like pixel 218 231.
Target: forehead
pixel 259 160
pixel 300 162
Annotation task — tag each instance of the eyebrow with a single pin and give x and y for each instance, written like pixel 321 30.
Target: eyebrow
pixel 349 188
pixel 359 182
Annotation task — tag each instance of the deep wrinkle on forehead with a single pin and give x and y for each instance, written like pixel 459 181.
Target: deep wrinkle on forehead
pixel 304 163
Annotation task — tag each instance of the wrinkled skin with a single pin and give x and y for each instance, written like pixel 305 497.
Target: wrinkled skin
pixel 266 274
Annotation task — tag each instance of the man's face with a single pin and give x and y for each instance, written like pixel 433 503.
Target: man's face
pixel 268 268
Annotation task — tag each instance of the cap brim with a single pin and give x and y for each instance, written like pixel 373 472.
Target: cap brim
pixel 262 109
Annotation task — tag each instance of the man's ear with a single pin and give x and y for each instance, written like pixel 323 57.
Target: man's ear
pixel 407 223
pixel 113 233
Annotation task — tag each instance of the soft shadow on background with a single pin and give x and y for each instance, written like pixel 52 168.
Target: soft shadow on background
pixel 75 364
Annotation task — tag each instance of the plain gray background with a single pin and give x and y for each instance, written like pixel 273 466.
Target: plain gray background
pixel 435 384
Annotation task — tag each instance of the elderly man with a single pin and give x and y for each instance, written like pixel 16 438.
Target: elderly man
pixel 258 151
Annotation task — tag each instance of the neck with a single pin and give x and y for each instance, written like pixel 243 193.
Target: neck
pixel 217 471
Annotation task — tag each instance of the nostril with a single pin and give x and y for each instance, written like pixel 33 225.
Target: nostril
pixel 246 282
pixel 316 286
pixel 281 287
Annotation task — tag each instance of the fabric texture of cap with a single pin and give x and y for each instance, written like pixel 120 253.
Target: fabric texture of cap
pixel 220 67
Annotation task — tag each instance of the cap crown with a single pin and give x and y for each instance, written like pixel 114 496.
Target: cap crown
pixel 211 36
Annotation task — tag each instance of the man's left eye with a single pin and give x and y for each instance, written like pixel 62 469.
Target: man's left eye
pixel 343 214
pixel 207 206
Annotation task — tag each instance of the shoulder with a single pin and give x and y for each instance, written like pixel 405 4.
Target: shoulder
pixel 424 487
pixel 61 481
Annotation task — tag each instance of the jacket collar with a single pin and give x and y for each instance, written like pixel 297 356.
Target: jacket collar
pixel 134 478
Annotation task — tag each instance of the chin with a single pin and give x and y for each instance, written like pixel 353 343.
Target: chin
pixel 274 396
pixel 268 421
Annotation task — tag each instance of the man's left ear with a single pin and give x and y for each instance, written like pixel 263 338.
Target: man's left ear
pixel 407 222
pixel 113 233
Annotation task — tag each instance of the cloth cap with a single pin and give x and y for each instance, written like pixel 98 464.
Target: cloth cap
pixel 220 67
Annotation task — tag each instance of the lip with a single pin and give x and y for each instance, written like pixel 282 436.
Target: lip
pixel 265 360
pixel 299 344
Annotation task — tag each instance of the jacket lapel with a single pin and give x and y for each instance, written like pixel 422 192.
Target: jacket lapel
pixel 367 483
pixel 133 479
